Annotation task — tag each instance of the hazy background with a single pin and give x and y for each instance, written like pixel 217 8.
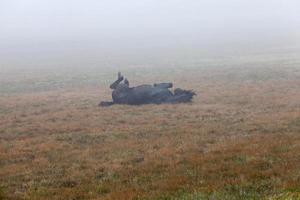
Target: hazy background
pixel 114 32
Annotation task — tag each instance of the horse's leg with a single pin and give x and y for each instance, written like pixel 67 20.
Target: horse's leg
pixel 117 82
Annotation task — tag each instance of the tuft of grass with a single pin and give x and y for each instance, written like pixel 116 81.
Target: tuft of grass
pixel 103 189
pixel 2 194
pixel 285 196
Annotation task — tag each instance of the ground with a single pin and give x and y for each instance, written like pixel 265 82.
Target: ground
pixel 238 139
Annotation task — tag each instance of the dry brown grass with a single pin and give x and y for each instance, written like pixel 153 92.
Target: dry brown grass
pixel 239 139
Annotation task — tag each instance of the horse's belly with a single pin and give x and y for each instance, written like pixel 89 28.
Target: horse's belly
pixel 150 94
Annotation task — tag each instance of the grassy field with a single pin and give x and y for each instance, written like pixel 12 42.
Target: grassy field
pixel 239 139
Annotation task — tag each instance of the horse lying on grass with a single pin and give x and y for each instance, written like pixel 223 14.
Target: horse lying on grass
pixel 146 94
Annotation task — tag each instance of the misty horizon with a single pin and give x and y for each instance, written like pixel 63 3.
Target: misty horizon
pixel 109 29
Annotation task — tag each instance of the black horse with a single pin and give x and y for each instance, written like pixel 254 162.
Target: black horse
pixel 146 94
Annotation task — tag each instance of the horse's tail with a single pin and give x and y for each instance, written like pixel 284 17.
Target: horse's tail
pixel 181 96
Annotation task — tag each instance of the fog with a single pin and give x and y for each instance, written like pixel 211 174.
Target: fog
pixel 51 32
